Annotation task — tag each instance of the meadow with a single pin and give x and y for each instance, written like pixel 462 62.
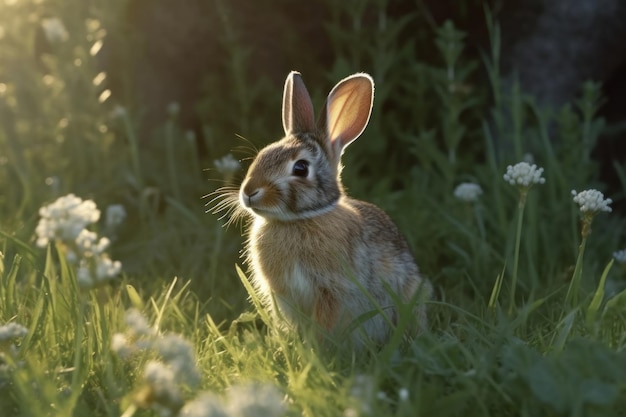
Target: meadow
pixel 122 294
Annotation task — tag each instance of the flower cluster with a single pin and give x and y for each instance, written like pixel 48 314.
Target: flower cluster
pixel 592 201
pixel 172 370
pixel 65 218
pixel 115 215
pixel 12 331
pixel 246 400
pixel 65 221
pixel 468 191
pixel 9 333
pixel 524 174
pixel 172 374
pixel 227 165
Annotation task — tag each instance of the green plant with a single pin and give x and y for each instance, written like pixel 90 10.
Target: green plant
pixel 529 317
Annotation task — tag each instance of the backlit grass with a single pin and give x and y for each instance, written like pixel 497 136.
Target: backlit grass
pixel 529 317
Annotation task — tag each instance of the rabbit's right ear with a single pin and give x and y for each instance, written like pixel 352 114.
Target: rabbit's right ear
pixel 298 116
pixel 348 109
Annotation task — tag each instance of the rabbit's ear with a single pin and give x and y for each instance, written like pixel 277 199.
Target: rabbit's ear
pixel 297 106
pixel 348 109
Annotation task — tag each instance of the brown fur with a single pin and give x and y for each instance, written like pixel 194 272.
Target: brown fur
pixel 314 250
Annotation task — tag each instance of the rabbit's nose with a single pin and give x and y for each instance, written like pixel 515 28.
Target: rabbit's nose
pixel 254 193
pixel 248 195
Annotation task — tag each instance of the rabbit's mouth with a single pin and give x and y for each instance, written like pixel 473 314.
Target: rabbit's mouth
pixel 279 214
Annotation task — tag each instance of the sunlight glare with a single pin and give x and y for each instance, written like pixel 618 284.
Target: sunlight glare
pixel 95 48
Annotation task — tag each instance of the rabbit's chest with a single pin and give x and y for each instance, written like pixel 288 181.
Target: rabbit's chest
pixel 295 260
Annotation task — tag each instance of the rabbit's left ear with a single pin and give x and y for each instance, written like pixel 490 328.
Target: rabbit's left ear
pixel 348 109
pixel 297 106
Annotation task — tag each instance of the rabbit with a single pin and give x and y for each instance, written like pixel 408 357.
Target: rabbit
pixel 315 253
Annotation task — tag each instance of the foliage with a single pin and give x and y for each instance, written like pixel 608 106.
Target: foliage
pixel 523 323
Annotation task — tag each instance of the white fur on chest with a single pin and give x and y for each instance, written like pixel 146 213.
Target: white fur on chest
pixel 301 290
pixel 278 271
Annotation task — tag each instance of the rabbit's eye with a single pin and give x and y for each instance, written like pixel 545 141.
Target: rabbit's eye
pixel 301 168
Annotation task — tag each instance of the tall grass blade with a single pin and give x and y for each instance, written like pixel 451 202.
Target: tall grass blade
pixel 564 329
pixel 598 297
pixel 495 291
pixel 254 297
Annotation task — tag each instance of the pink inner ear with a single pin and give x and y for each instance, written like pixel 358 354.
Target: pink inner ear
pixel 298 116
pixel 348 109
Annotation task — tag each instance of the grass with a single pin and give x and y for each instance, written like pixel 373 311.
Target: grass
pixel 522 325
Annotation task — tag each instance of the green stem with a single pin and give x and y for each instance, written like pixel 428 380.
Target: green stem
pixel 518 240
pixel 571 298
pixel 134 150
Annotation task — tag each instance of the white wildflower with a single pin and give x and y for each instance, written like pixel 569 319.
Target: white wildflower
pixel 620 256
pixel 71 256
pixel 64 219
pixel 102 245
pixel 255 399
pixel 227 165
pixel 173 346
pixel 524 174
pixel 205 405
pixel 96 269
pixel 592 201
pixel 179 354
pixel 54 30
pixel 115 215
pixel 85 242
pixel 137 323
pixel 11 331
pixel 161 379
pixel 403 394
pixel 106 268
pixel 83 275
pixel 468 191
pixel 168 379
pixel 121 346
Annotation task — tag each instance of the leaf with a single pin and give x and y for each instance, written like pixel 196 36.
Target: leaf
pixel 134 297
pixel 8 283
pixel 545 384
pixel 596 301
pixel 564 329
pixel 254 297
pixel 495 292
pixel 597 392
pixel 615 305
